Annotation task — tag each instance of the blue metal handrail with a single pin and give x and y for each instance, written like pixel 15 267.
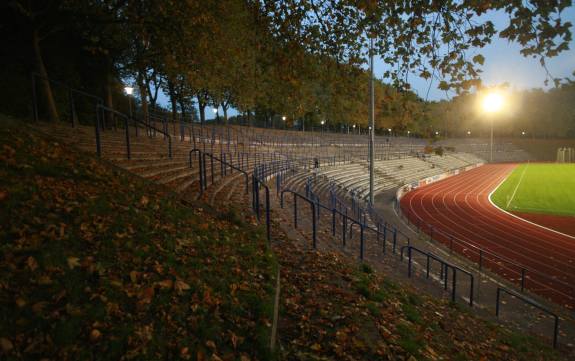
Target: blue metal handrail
pixel 529 302
pixel 102 108
pixel 312 204
pixel 444 267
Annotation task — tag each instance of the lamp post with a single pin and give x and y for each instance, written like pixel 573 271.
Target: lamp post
pixel 492 103
pixel 322 123
pixel 129 91
pixel 371 122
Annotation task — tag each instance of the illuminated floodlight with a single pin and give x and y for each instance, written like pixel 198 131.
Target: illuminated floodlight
pixel 284 117
pixel 469 132
pixel 523 133
pixel 322 122
pixel 408 132
pixel 492 102
pixel 129 90
pixel 436 133
pixel 353 126
pixel 389 130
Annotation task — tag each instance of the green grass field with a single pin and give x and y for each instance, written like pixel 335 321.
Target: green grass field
pixel 538 188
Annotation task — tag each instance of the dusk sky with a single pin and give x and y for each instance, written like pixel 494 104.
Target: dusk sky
pixel 504 63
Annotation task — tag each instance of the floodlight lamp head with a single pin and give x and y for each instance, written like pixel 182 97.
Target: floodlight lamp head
pixel 129 90
pixel 492 102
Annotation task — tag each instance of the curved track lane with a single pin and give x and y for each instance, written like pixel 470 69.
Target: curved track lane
pixel 457 211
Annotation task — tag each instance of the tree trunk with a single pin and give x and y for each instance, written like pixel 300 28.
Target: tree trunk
pixel 225 109
pixel 143 98
pixel 108 90
pixel 183 109
pixel 41 69
pixel 202 109
pixel 173 100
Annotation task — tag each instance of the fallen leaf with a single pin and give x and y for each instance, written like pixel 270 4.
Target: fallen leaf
pixel 181 285
pixel 95 335
pixel 32 263
pixel 148 295
pixel 134 276
pixel 166 284
pixel 200 356
pixel 6 345
pixel 73 262
pixel 20 302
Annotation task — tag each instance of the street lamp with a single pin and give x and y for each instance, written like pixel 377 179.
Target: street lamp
pixel 436 132
pixel 492 103
pixel 523 133
pixel 322 123
pixel 129 91
pixel 469 132
pixel 389 130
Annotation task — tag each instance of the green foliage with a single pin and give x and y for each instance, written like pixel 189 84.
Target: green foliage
pixel 302 59
pixel 409 339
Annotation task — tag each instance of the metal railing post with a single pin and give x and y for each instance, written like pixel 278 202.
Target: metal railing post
pixel 127 131
pixel 295 211
pixel 313 219
pixel 361 241
pixel 34 99
pixel 97 130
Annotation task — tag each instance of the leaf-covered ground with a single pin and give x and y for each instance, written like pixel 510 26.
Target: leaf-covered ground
pixel 98 264
pixel 334 309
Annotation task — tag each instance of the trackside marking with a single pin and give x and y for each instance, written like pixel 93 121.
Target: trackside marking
pixel 523 219
pixel 516 187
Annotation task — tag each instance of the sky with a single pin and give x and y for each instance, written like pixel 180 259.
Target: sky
pixel 503 63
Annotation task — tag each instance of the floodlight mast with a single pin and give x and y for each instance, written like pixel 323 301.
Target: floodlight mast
pixel 492 103
pixel 371 121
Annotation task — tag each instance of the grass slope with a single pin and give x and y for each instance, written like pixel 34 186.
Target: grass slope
pixel 98 264
pixel 334 309
pixel 539 188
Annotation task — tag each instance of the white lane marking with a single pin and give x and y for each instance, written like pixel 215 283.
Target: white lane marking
pixel 517 186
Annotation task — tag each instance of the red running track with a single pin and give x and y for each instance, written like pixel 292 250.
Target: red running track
pixel 457 211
